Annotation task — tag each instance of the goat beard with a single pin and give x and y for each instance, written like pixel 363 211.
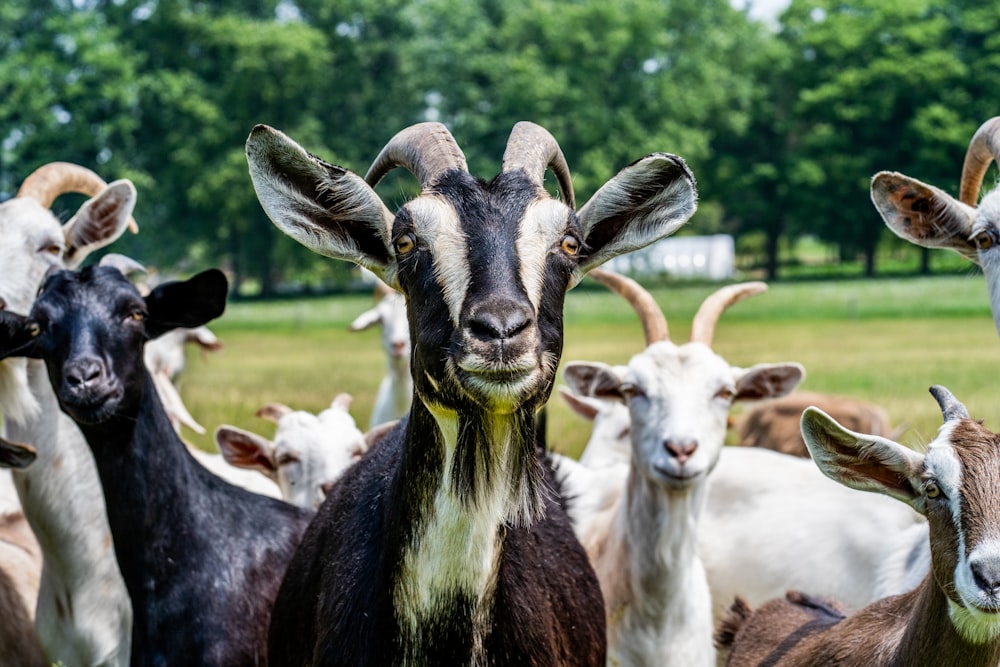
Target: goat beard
pixel 17 401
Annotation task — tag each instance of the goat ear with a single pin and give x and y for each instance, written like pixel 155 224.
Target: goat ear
pixel 326 208
pixel 594 379
pixel 16 455
pixel 644 202
pixel 768 381
pixel 99 221
pixel 584 407
pixel 924 215
pixel 366 320
pixel 859 461
pixel 186 304
pixel 244 449
pixel 17 336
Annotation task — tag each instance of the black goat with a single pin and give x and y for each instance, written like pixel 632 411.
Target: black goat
pixel 202 559
pixel 446 545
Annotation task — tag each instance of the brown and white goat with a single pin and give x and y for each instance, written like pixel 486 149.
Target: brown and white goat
pixel 446 544
pixel 953 617
pixel 927 216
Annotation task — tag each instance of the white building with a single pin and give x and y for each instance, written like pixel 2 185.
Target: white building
pixel 712 257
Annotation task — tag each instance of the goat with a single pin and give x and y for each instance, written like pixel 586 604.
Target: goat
pixel 83 616
pixel 307 453
pixel 775 424
pixel 952 617
pixel 20 569
pixel 656 594
pixel 443 544
pixel 396 389
pixel 202 559
pixel 929 217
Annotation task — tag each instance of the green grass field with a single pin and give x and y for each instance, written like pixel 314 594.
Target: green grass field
pixel 882 340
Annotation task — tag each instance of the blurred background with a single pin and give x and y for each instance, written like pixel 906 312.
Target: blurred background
pixel 784 110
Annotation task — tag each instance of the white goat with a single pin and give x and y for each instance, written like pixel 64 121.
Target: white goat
pixel 757 500
pixel 396 389
pixel 656 594
pixel 927 216
pixel 308 451
pixel 83 614
pixel 952 617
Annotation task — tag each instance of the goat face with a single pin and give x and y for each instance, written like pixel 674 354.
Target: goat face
pixel 90 327
pixel 484 266
pixel 954 485
pixel 679 397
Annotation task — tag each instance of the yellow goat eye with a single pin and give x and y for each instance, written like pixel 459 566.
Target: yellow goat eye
pixel 137 315
pixel 405 244
pixel 34 329
pixel 570 245
pixel 931 489
pixel 983 240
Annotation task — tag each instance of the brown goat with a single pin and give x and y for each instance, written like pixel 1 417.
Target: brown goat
pixel 952 617
pixel 774 424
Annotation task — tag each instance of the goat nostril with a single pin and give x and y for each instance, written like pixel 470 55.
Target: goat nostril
pixel 83 373
pixel 680 449
pixel 986 576
pixel 499 324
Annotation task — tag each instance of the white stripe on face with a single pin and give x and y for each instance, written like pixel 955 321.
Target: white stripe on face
pixel 943 464
pixel 541 228
pixel 436 223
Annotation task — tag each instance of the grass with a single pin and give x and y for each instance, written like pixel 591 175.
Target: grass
pixel 882 340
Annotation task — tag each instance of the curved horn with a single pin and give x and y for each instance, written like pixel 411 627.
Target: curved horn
pixel 703 325
pixel 56 178
pixel 273 411
pixel 951 408
pixel 983 149
pixel 532 148
pixel 427 150
pixel 654 324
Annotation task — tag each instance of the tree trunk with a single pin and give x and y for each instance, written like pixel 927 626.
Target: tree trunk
pixel 771 251
pixel 925 261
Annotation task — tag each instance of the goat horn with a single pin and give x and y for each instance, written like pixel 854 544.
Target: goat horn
pixel 951 408
pixel 654 324
pixel 531 147
pixel 273 411
pixel 703 325
pixel 57 178
pixel 983 149
pixel 427 150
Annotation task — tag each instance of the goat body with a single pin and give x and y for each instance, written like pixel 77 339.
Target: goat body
pixel 395 391
pixel 83 614
pixel 951 618
pixel 442 545
pixel 201 559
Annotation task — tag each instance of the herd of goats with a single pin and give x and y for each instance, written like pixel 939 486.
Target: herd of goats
pixel 451 532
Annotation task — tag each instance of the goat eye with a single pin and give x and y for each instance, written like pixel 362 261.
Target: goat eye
pixel 983 240
pixel 570 245
pixel 54 249
pixel 405 244
pixel 931 489
pixel 725 394
pixel 137 315
pixel 630 390
pixel 34 329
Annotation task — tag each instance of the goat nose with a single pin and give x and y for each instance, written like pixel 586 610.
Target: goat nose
pixel 680 448
pixel 499 320
pixel 83 372
pixel 986 573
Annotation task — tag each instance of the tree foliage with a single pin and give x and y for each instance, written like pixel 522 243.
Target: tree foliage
pixel 784 124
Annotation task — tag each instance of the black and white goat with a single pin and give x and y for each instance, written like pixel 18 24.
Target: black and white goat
pixel 445 543
pixel 201 559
